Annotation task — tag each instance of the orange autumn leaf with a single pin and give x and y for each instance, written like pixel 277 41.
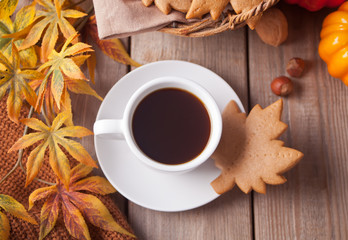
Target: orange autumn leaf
pixel 113 48
pixel 4 227
pixel 14 80
pixel 91 64
pixel 49 19
pixel 76 206
pixel 61 67
pixel 249 153
pixel 53 137
pixel 24 18
pixel 14 208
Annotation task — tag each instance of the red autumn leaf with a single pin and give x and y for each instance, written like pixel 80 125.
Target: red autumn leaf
pixel 49 215
pixel 110 47
pixel 73 219
pixel 76 206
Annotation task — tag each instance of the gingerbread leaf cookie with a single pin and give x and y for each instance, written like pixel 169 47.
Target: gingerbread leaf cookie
pixel 166 5
pixel 249 153
pixel 200 7
pixel 240 6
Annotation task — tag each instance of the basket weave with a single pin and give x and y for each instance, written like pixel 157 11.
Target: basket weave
pixel 229 20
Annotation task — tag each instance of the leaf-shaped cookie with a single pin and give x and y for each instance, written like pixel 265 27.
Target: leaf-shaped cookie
pixel 249 153
pixel 240 6
pixel 166 5
pixel 200 7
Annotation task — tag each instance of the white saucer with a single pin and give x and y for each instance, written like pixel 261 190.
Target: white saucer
pixel 137 182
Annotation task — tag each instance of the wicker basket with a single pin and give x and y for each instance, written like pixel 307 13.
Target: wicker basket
pixel 229 20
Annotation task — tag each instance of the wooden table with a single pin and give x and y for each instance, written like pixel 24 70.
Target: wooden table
pixel 313 204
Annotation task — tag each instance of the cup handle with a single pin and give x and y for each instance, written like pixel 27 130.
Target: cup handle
pixel 109 127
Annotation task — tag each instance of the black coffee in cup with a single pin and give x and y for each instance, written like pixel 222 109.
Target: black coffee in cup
pixel 171 126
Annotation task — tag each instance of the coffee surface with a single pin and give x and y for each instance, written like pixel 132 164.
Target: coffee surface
pixel 171 126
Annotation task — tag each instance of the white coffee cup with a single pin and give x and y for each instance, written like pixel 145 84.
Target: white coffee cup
pixel 122 128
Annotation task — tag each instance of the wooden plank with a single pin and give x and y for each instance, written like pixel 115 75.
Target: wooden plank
pixel 312 205
pixel 228 217
pixel 85 108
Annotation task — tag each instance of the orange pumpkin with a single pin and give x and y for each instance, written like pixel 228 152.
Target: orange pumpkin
pixel 333 46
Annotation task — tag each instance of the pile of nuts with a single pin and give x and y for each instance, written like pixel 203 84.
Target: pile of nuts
pixel 282 86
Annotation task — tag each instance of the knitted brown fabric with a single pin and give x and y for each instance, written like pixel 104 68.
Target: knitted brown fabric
pixel 14 186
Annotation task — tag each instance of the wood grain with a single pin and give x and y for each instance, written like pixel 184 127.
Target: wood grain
pixel 313 204
pixel 228 217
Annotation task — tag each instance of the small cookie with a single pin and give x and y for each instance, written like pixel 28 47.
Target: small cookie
pixel 200 7
pixel 147 2
pixel 249 153
pixel 243 6
pixel 166 5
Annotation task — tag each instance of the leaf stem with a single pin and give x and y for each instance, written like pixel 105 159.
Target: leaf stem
pixel 20 152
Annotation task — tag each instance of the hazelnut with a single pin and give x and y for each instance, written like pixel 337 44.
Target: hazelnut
pixel 295 67
pixel 282 86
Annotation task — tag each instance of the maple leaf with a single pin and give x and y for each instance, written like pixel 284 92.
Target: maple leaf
pixel 200 7
pixel 14 79
pixel 53 137
pixel 13 207
pixel 76 206
pixel 249 154
pixel 113 48
pixel 64 72
pixel 24 18
pixel 50 18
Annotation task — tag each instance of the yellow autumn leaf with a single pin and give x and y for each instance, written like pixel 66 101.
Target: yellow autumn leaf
pixel 61 66
pixel 7 7
pixel 53 137
pixel 49 19
pixel 24 18
pixel 41 193
pixel 14 81
pixel 10 205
